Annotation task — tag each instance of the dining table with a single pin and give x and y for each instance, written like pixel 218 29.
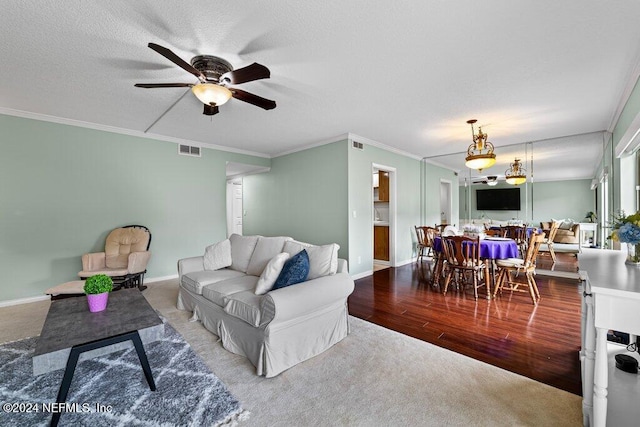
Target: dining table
pixel 491 248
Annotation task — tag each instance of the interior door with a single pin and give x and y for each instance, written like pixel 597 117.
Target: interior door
pixel 445 202
pixel 234 207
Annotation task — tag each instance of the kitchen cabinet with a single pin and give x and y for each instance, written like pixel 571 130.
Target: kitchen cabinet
pixel 381 242
pixel 383 186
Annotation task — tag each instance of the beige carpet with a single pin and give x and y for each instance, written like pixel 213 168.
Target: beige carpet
pixel 373 377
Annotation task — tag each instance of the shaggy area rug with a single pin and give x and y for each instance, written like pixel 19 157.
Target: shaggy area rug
pixel 112 390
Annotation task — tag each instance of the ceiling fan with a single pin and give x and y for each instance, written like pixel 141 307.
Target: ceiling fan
pixel 214 75
pixel 490 180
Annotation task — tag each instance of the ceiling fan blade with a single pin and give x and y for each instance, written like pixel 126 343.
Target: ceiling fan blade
pixel 154 85
pixel 249 73
pixel 256 100
pixel 210 110
pixel 176 60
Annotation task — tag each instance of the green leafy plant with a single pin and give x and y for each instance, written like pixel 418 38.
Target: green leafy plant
pixel 591 216
pixel 98 284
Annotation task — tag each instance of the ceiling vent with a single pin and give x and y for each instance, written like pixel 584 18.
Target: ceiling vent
pixel 357 145
pixel 188 150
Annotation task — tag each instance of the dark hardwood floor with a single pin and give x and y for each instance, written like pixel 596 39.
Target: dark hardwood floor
pixel 540 342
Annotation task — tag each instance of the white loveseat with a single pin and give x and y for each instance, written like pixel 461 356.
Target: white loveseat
pixel 281 328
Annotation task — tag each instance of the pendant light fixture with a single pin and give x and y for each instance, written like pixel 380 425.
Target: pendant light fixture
pixel 516 174
pixel 480 153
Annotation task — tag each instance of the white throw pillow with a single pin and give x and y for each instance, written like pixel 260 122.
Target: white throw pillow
pixel 270 273
pixel 566 224
pixel 241 250
pixel 218 255
pixel 323 260
pixel 266 248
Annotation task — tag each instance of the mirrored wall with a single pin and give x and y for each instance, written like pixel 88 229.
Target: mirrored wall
pixel 557 165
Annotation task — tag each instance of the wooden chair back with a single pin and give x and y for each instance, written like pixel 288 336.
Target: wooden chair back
pixel 532 250
pixel 421 235
pixel 552 232
pixel 462 252
pixel 516 232
pixel 430 234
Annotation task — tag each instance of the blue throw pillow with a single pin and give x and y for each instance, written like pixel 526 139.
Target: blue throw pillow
pixel 295 270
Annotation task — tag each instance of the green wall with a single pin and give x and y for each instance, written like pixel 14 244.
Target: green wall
pixel 431 178
pixel 563 199
pixel 303 196
pixel 311 195
pixel 64 188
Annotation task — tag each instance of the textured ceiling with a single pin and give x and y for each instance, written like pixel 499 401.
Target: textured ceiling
pixel 407 74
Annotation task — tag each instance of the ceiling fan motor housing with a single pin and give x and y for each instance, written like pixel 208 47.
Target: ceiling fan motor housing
pixel 211 66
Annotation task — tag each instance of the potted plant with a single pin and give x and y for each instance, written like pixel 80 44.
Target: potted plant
pixel 626 229
pixel 97 288
pixel 591 216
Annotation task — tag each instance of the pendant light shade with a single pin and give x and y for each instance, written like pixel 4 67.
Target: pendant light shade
pixel 479 154
pixel 516 174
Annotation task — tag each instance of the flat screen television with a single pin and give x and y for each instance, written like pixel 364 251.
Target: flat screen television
pixel 498 199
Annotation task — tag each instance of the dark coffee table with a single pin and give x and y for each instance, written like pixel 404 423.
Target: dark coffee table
pixel 72 333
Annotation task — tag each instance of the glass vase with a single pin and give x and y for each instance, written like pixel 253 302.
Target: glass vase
pixel 633 254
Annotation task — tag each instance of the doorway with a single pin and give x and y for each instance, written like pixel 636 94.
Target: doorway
pixel 234 206
pixel 446 202
pixel 383 215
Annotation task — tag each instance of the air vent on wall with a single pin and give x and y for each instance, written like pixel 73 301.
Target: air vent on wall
pixel 188 150
pixel 357 145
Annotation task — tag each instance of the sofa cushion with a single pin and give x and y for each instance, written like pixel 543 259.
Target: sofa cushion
pixel 294 271
pixel 323 260
pixel 196 280
pixel 270 273
pixel 266 249
pixel 244 305
pixel 217 292
pixel 218 255
pixel 566 224
pixel 241 250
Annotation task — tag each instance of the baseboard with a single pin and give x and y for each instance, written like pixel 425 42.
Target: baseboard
pixel 405 262
pixel 160 279
pixel 28 300
pixel 361 275
pixel 19 301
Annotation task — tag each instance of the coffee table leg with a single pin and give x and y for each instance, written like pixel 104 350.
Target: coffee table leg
pixel 75 354
pixel 66 382
pixel 142 355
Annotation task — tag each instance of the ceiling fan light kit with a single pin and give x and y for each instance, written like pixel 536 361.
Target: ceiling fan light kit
pixel 214 74
pixel 211 94
pixel 516 174
pixel 479 154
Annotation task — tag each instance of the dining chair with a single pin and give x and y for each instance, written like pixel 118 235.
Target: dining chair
pixel 422 245
pixel 462 255
pixel 493 232
pixel 510 269
pixel 519 234
pixel 547 246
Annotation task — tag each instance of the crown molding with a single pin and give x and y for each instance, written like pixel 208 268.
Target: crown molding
pixel 632 80
pixel 337 138
pixel 367 141
pixel 123 131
